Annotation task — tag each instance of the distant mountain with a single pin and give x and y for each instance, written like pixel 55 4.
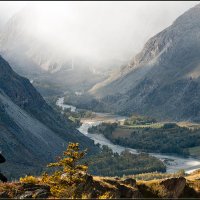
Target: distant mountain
pixel 32 133
pixel 51 68
pixel 163 80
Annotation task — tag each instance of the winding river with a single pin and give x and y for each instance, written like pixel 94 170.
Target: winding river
pixel 173 163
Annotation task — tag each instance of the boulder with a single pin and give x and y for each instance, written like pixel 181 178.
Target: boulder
pixel 129 192
pixel 26 195
pixel 41 193
pixel 102 187
pixel 173 187
pixel 3 178
pixel 2 159
pixel 34 191
pixel 4 194
pixel 33 187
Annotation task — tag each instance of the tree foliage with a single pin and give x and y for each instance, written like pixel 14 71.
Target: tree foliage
pixel 68 174
pixel 139 120
pixel 170 138
pixel 108 163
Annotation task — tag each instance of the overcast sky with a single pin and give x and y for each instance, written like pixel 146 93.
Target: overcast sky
pixel 100 29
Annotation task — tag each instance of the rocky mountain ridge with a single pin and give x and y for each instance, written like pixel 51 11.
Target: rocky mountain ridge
pixel 163 79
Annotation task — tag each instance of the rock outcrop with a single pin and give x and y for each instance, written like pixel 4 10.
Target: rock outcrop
pixel 26 191
pixel 96 187
pixel 173 187
pixel 2 177
pixel 108 187
pixel 34 191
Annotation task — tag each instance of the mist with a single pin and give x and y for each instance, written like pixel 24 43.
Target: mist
pixel 103 32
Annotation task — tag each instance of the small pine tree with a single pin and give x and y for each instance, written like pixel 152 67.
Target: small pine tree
pixel 68 174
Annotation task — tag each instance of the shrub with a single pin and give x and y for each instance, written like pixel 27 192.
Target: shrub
pixel 29 179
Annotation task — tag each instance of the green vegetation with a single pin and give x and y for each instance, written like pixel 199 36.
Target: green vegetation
pixel 86 114
pixel 155 125
pixel 170 138
pixel 104 128
pixel 68 172
pixel 75 117
pixel 194 151
pixel 108 163
pixel 139 120
pixel 72 116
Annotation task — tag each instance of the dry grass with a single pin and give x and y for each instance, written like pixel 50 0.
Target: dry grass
pixel 103 182
pixel 151 189
pixel 154 125
pixel 11 188
pixel 154 176
pixel 189 125
pixel 194 176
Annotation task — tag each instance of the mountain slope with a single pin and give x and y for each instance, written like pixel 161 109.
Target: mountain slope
pixel 163 79
pixel 32 133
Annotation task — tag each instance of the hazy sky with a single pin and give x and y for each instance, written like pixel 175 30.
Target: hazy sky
pixel 106 30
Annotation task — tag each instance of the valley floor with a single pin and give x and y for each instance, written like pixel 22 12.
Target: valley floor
pixel 173 162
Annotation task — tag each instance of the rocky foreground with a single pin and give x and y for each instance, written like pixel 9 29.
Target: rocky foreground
pixel 112 187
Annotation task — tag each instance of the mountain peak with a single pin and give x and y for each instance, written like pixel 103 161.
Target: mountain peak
pixel 190 17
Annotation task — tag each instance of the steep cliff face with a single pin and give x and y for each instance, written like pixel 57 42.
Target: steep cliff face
pixel 32 133
pixel 163 79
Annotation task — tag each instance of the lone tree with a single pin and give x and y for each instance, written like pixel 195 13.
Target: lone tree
pixel 69 173
pixel 2 177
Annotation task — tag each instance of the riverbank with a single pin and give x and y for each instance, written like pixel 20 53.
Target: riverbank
pixel 173 163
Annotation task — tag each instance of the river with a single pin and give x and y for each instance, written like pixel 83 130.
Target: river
pixel 60 103
pixel 173 163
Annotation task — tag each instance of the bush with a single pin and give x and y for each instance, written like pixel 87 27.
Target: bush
pixel 170 125
pixel 29 179
pixel 139 120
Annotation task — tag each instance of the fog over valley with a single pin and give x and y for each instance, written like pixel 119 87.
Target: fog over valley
pixel 105 33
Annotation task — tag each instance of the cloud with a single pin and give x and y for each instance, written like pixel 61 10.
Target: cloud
pixel 101 31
